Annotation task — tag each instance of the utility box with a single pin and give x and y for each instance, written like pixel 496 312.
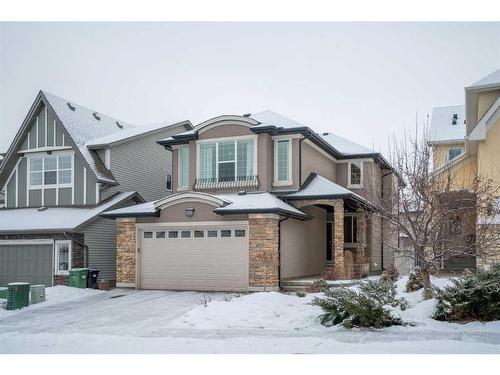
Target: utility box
pixel 3 292
pixel 37 294
pixel 18 296
pixel 78 277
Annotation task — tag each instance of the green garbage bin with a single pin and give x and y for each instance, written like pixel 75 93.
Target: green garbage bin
pixel 78 277
pixel 3 292
pixel 18 296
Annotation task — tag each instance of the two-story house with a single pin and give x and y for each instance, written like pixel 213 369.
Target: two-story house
pixel 465 145
pixel 66 165
pixel 258 199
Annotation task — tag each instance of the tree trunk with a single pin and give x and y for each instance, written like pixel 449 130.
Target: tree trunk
pixel 426 281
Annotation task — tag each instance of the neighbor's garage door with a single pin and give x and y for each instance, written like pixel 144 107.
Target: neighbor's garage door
pixel 27 263
pixel 212 257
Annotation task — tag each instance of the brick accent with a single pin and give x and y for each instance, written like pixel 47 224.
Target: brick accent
pixel 263 252
pixel 338 239
pixel 125 252
pixel 491 256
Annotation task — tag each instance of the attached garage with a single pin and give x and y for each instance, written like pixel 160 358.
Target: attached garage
pixel 212 257
pixel 27 262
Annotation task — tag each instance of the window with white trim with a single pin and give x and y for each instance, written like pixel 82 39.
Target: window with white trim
pixel 228 160
pixel 350 229
pixel 63 257
pixel 51 171
pixel 355 174
pixel 454 152
pixel 282 161
pixel 184 167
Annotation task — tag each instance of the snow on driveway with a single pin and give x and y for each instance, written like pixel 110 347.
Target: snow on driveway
pixel 129 321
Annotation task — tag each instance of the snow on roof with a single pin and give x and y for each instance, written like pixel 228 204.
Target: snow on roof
pixel 55 218
pixel 490 79
pixel 489 118
pixel 270 118
pixel 132 132
pixel 136 210
pixel 345 146
pixel 317 186
pixel 255 202
pixel 442 128
pixel 84 125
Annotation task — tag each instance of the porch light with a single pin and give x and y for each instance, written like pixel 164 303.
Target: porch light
pixel 189 212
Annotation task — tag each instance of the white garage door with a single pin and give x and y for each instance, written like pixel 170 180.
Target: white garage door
pixel 199 257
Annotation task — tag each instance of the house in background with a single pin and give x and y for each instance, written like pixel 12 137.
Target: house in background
pixel 66 165
pixel 465 145
pixel 259 200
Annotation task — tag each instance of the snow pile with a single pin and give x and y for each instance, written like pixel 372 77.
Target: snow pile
pixel 270 310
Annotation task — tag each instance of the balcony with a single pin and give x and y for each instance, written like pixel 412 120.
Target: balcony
pixel 220 184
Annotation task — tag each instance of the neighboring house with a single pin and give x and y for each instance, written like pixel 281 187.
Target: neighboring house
pixel 66 165
pixel 258 199
pixel 2 195
pixel 465 143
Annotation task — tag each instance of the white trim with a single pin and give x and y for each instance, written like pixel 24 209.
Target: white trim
pixel 359 163
pixel 46 126
pixel 97 198
pixel 63 139
pixel 37 127
pixel 107 158
pixel 72 179
pixel 55 127
pixel 17 183
pixel 287 136
pixel 27 242
pixel 224 120
pixel 45 149
pixel 56 257
pixel 191 197
pixel 84 185
pixel 288 182
pixel 29 140
pixel 228 138
pixel 143 226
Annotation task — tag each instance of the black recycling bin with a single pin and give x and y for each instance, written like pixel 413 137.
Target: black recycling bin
pixel 92 278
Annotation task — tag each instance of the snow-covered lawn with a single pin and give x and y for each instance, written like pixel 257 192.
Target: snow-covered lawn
pixel 128 321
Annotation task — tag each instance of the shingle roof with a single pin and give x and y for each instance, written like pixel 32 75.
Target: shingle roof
pixel 491 79
pixel 442 128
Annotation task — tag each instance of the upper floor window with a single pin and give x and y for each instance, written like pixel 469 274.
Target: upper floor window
pixel 355 174
pixel 454 152
pixel 51 170
pixel 228 160
pixel 184 167
pixel 282 161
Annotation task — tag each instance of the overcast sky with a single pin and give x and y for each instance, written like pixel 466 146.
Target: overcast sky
pixel 361 81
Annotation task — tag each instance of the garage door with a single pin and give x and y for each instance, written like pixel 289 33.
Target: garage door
pixel 211 257
pixel 27 263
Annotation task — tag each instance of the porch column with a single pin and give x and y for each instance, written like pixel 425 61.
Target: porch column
pixel 125 252
pixel 361 268
pixel 338 239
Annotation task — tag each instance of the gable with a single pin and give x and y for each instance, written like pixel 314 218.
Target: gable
pixel 44 131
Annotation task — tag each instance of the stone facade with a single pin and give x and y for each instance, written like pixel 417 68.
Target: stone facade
pixel 263 252
pixel 361 263
pixel 491 256
pixel 125 252
pixel 339 270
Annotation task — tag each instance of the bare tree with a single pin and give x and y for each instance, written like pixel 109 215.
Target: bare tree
pixel 436 210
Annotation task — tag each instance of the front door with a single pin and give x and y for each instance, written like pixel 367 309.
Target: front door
pixel 329 241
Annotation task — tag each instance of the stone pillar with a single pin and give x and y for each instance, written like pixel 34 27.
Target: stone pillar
pixel 263 257
pixel 338 239
pixel 361 267
pixel 490 256
pixel 125 252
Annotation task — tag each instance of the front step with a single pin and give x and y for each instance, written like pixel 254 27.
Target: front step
pixel 303 282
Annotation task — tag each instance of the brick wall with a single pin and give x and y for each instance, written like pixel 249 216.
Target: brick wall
pixel 490 256
pixel 125 252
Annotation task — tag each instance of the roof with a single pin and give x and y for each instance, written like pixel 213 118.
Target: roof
pixel 270 118
pixel 233 203
pixel 318 187
pixel 345 146
pixel 442 128
pixel 132 133
pixel 57 218
pixel 492 79
pixel 489 118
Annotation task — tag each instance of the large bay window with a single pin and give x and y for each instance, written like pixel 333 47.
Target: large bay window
pixel 51 171
pixel 282 162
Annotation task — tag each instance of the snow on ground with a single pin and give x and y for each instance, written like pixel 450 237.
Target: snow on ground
pixel 129 321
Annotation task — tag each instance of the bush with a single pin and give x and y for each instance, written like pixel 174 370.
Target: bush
pixel 364 307
pixel 471 297
pixel 317 286
pixel 414 281
pixel 300 293
pixel 390 274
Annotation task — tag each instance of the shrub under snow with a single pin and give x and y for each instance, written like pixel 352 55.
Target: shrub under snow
pixel 414 281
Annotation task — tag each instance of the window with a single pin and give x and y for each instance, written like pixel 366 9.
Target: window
pixel 160 234
pixel 173 234
pixel 186 234
pixel 454 152
pixel 282 161
pixel 355 174
pixel 225 233
pixel 211 233
pixel 199 233
pixel 350 229
pixel 63 257
pixel 239 233
pixel 184 167
pixel 227 160
pixel 148 234
pixel 169 182
pixel 51 170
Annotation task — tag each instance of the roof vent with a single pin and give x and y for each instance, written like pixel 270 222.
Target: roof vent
pixel 247 114
pixel 242 192
pixel 70 106
pixel 326 133
pixel 96 116
pixel 43 208
pixel 119 125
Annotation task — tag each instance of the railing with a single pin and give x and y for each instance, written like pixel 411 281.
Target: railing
pixel 238 183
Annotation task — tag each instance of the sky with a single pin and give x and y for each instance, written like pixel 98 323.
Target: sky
pixel 363 81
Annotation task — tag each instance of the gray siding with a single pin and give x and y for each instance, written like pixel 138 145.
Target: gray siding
pixel 41 128
pixel 65 195
pixel 59 134
pixel 32 136
pixel 100 237
pixel 49 198
pixel 91 193
pixel 22 180
pixel 10 199
pixel 35 197
pixel 79 170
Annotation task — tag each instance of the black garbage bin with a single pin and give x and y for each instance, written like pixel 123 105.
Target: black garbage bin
pixel 92 278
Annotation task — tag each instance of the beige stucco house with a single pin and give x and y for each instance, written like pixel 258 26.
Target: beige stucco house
pixel 258 199
pixel 465 142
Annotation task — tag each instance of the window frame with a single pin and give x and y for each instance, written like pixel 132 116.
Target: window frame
pixel 169 181
pixel 180 150
pixel 216 141
pixel 276 181
pixel 57 243
pixel 354 229
pixel 43 185
pixel 454 148
pixel 360 165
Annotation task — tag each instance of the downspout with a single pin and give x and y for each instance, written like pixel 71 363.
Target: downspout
pixel 279 248
pixel 85 249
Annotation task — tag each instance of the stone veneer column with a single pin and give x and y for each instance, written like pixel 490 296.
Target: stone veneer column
pixel 360 266
pixel 491 256
pixel 263 257
pixel 125 252
pixel 338 239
